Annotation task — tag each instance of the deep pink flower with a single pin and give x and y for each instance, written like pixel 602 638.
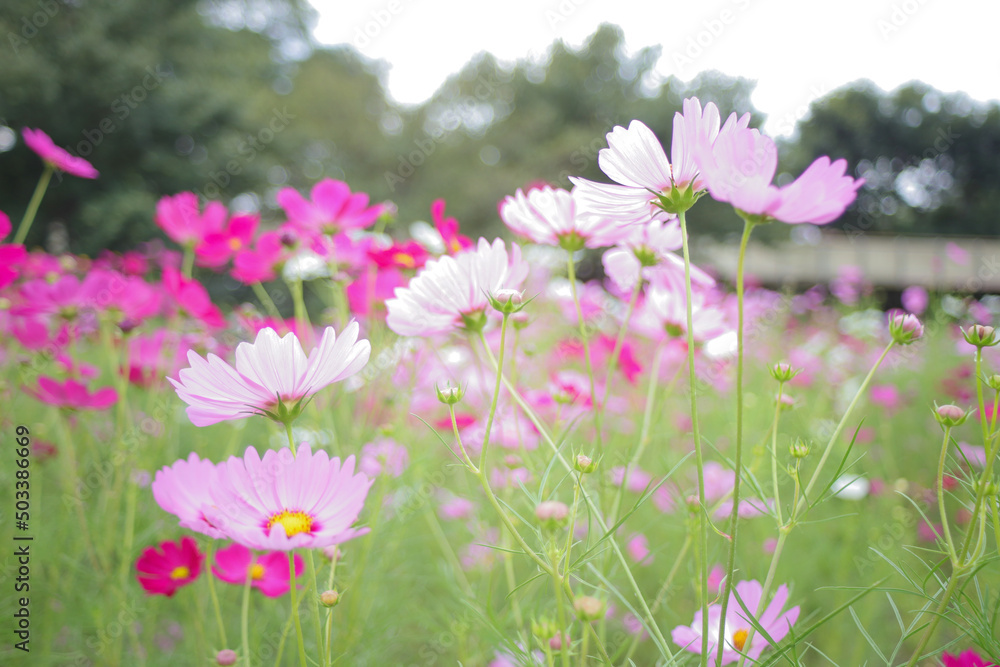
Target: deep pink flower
pixel 968 659
pixel 333 208
pixel 402 255
pixel 739 169
pixel 554 217
pixel 217 248
pixel 448 229
pixel 46 149
pixel 268 572
pixel 271 374
pixel 180 217
pixel 72 394
pixel 635 160
pixel 264 261
pixel 284 501
pixel 451 292
pixel 175 564
pixel 373 287
pixel 11 255
pixel 192 297
pixel 737 628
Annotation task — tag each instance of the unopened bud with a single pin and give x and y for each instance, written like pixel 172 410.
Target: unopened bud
pixel 226 656
pixel 585 464
pixel 799 449
pixel 544 629
pixel 588 608
pixel 980 336
pixel 332 552
pixel 513 461
pixel 556 643
pixel 507 301
pixel 993 382
pixel 949 415
pixel 905 328
pixel 783 372
pixel 552 513
pixel 329 598
pixel 520 320
pixel 449 395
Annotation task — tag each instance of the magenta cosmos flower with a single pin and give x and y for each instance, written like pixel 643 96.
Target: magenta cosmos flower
pixel 267 572
pixel 553 217
pixel 175 564
pixel 72 394
pixel 333 208
pixel 287 501
pixel 271 378
pixel 57 157
pixel 647 181
pixel 738 169
pixel 737 628
pixel 451 292
pixel 968 659
pixel 183 221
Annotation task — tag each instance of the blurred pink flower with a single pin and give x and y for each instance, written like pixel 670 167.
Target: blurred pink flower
pixel 163 570
pixel 262 263
pixel 333 208
pixel 192 298
pixel 915 299
pixel 383 455
pixel 218 247
pixel 554 217
pixel 268 572
pixel 957 253
pixel 271 374
pixel 885 396
pixel 638 549
pixel 72 394
pixel 967 659
pixel 737 628
pixel 180 218
pixel 46 149
pixel 448 229
pixel 183 489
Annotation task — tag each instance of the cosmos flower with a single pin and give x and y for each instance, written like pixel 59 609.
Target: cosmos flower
pixel 272 376
pixel 182 489
pixel 333 208
pixel 57 157
pixel 72 394
pixel 737 628
pixel 269 572
pixel 287 501
pixel 161 571
pixel 450 293
pixel 553 217
pixel 968 659
pixel 180 218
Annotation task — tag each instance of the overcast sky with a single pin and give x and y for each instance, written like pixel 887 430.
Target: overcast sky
pixel 797 50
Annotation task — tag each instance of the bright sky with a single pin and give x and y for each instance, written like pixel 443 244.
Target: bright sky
pixel 797 50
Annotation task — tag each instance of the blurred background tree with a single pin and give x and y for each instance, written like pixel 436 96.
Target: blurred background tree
pixel 233 100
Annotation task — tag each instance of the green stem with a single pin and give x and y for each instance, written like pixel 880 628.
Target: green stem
pixel 560 612
pixel 571 269
pixel 695 432
pixel 187 266
pixel 291 441
pixel 36 199
pixel 311 561
pixel 496 390
pixel 215 598
pixel 266 300
pixel 245 619
pixel 765 591
pixel 774 453
pixel 303 662
pixel 938 614
pixel 661 594
pixel 734 517
pixel 940 494
pixel 301 314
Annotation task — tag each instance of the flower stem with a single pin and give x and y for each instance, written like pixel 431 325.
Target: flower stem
pixel 734 517
pixel 311 561
pixel 774 453
pixel 291 441
pixel 295 611
pixel 36 199
pixel 187 264
pixel 214 595
pixel 245 619
pixel 702 547
pixel 940 495
pixel 266 300
pixel 571 269
pixel 496 390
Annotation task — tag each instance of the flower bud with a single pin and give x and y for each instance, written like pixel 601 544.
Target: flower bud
pixel 513 461
pixel 905 328
pixel 787 402
pixel 799 449
pixel 552 513
pixel 332 552
pixel 949 415
pixel 449 395
pixel 585 464
pixel 226 656
pixel 588 608
pixel 544 629
pixel 990 488
pixel 993 382
pixel 980 336
pixel 520 320
pixel 783 372
pixel 507 301
pixel 556 643
pixel 329 598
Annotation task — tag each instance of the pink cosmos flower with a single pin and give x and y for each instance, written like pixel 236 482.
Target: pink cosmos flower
pixel 173 565
pixel 284 501
pixel 264 261
pixel 454 242
pixel 11 255
pixel 968 659
pixel 638 549
pixel 915 299
pixel 383 455
pixel 272 376
pixel 179 217
pixel 182 489
pixel 72 394
pixel 333 208
pixel 268 572
pixel 737 628
pixel 554 217
pixel 739 168
pixel 192 298
pixel 664 314
pixel 635 160
pixel 57 157
pixel 218 247
pixel 451 292
pixel 648 253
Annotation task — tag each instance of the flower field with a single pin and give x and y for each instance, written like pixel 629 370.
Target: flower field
pixel 427 449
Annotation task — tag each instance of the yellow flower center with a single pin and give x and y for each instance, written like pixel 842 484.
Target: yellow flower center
pixel 294 522
pixel 403 259
pixel 180 572
pixel 257 572
pixel 235 243
pixel 740 638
